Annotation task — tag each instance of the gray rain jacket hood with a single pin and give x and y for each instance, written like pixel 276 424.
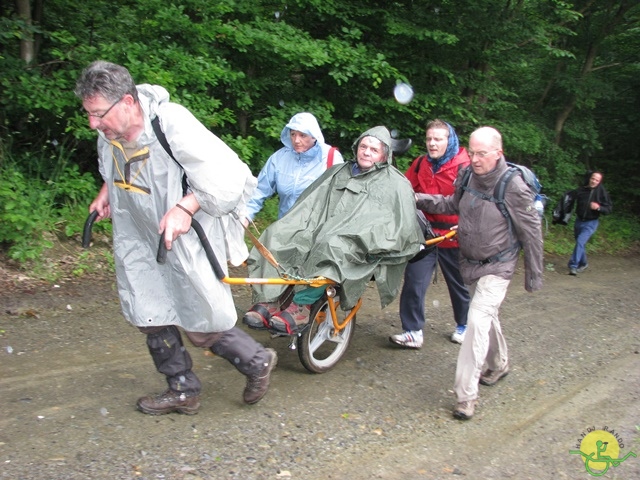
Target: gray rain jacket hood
pixel 382 134
pixel 347 227
pixel 142 186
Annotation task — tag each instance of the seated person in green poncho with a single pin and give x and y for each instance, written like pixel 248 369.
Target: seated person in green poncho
pixel 355 222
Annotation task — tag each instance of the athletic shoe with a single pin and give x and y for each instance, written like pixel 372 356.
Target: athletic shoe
pixel 292 319
pixel 573 271
pixel 582 268
pixel 459 334
pixel 408 339
pixel 464 410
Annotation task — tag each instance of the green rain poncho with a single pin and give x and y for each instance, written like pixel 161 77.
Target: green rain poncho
pixel 346 227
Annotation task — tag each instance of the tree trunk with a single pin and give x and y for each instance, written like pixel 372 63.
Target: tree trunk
pixel 27 45
pixel 564 114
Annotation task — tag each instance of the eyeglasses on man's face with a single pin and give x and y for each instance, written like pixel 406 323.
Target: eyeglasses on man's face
pixel 480 154
pixel 102 115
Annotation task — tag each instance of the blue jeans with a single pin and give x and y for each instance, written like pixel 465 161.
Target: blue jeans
pixel 417 278
pixel 582 230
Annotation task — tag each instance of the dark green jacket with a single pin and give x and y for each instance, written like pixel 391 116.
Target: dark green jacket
pixel 347 228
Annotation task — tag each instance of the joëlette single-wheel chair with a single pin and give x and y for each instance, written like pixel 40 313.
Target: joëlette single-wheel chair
pixel 325 339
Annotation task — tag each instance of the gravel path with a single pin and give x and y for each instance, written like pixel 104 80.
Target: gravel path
pixel 72 370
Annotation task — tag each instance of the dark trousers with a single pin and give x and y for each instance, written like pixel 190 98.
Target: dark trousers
pixel 172 359
pixel 417 277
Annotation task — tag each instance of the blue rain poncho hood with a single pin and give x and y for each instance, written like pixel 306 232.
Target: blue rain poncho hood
pixel 302 122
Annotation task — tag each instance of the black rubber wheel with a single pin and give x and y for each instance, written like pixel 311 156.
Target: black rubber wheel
pixel 319 350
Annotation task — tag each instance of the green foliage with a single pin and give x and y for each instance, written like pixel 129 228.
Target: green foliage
pixel 559 79
pixel 39 197
pixel 24 215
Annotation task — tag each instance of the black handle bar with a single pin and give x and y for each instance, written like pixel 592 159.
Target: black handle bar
pixel 86 231
pixel 161 257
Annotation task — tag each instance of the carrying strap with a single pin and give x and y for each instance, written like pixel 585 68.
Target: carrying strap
pixel 330 157
pixel 498 257
pixel 162 138
pixel 264 251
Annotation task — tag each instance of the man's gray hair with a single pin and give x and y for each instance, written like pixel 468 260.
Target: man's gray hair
pixel 107 80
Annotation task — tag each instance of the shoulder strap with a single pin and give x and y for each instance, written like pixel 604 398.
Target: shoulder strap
pixel 330 157
pixel 162 138
pixel 498 192
pixel 500 189
pixel 419 162
pixel 464 182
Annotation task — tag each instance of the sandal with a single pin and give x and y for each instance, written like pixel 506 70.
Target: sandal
pixel 259 315
pixel 291 320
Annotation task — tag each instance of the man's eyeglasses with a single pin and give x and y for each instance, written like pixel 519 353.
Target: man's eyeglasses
pixel 102 115
pixel 480 154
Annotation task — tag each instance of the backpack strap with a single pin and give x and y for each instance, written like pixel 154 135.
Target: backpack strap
pixel 330 157
pixel 500 189
pixel 162 138
pixel 419 162
pixel 498 199
pixel 464 183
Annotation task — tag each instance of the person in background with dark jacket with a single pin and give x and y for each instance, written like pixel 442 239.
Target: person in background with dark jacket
pixel 591 200
pixel 434 173
pixel 489 248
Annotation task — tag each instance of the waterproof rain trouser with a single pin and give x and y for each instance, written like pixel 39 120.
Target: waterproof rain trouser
pixel 172 359
pixel 241 350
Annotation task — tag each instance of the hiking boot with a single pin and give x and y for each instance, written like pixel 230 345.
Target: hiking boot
pixel 464 410
pixel 582 268
pixel 169 401
pixel 408 339
pixel 257 385
pixel 459 334
pixel 491 377
pixel 573 271
pixel 292 319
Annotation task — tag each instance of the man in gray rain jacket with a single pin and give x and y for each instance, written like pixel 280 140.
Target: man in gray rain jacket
pixel 144 195
pixel 354 222
pixel 489 249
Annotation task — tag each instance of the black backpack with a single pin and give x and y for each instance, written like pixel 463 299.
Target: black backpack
pixel 562 211
pixel 527 175
pixel 498 198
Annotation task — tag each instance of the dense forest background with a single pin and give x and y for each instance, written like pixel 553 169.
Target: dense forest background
pixel 560 80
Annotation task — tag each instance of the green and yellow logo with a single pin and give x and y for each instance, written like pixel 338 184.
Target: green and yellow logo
pixel 600 450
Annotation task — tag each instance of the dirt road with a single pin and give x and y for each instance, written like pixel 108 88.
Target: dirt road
pixel 72 370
